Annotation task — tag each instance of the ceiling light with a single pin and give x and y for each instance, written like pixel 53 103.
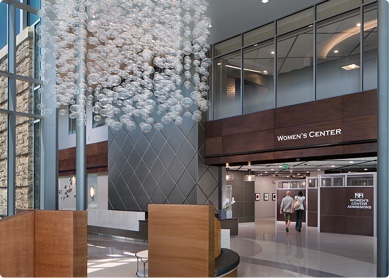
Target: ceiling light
pixel 229 177
pixel 246 69
pixel 134 76
pixel 351 67
pixel 249 176
pixel 358 24
pixel 265 1
pixel 327 45
pixel 272 53
pixel 336 51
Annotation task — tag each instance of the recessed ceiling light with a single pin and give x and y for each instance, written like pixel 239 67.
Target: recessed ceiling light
pixel 265 1
pixel 336 51
pixel 351 67
pixel 358 24
pixel 272 52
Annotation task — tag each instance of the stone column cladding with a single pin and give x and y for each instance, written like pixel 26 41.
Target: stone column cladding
pixel 24 126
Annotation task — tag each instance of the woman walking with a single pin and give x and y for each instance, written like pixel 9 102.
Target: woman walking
pixel 299 199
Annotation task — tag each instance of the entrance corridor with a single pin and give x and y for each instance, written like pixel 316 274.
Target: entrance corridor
pixel 265 249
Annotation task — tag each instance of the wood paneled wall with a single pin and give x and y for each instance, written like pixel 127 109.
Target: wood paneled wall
pixel 44 244
pixel 337 217
pixel 17 245
pixel 96 159
pixel 60 243
pixel 181 241
pixel 256 137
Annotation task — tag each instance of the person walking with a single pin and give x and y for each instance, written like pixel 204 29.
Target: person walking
pixel 286 209
pixel 299 208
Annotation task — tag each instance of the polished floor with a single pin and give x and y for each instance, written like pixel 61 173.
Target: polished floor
pixel 265 249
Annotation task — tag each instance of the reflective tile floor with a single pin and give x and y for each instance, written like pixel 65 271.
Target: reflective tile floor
pixel 265 249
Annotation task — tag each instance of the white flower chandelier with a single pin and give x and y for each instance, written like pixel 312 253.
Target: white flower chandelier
pixel 130 59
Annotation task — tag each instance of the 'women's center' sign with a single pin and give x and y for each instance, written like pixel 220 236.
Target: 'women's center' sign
pixel 310 134
pixel 358 202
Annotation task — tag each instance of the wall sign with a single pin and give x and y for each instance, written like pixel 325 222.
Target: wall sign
pixel 359 202
pixel 310 134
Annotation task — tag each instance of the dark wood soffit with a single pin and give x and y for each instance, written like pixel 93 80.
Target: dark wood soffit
pixel 96 159
pixel 318 153
pixel 346 112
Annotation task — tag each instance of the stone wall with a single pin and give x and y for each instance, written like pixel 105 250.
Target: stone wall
pixel 24 162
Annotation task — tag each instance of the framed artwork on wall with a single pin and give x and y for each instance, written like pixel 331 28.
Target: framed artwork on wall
pixel 257 196
pixel 266 196
pixel 273 196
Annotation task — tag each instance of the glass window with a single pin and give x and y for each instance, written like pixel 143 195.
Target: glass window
pixel 3 163
pixel 338 56
pixel 258 77
pixel 312 182
pixel 295 21
pixel 32 18
pixel 338 181
pixel 227 92
pixel 260 34
pixel 335 7
pixel 363 180
pixel 295 67
pixel 291 184
pixel 370 46
pixel 326 182
pixel 24 163
pixel 3 37
pixel 333 181
pixel 25 97
pixel 228 46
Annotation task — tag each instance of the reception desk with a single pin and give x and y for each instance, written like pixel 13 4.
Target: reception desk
pixel 232 224
pixel 185 240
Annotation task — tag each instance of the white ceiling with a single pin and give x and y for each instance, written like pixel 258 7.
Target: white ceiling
pixel 300 169
pixel 232 17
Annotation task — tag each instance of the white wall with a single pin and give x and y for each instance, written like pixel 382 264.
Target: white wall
pixel 93 135
pixel 264 209
pixel 100 200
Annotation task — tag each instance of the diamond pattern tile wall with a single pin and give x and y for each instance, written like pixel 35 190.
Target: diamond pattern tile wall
pixel 160 167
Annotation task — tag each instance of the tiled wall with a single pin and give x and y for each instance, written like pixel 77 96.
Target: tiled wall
pixel 160 167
